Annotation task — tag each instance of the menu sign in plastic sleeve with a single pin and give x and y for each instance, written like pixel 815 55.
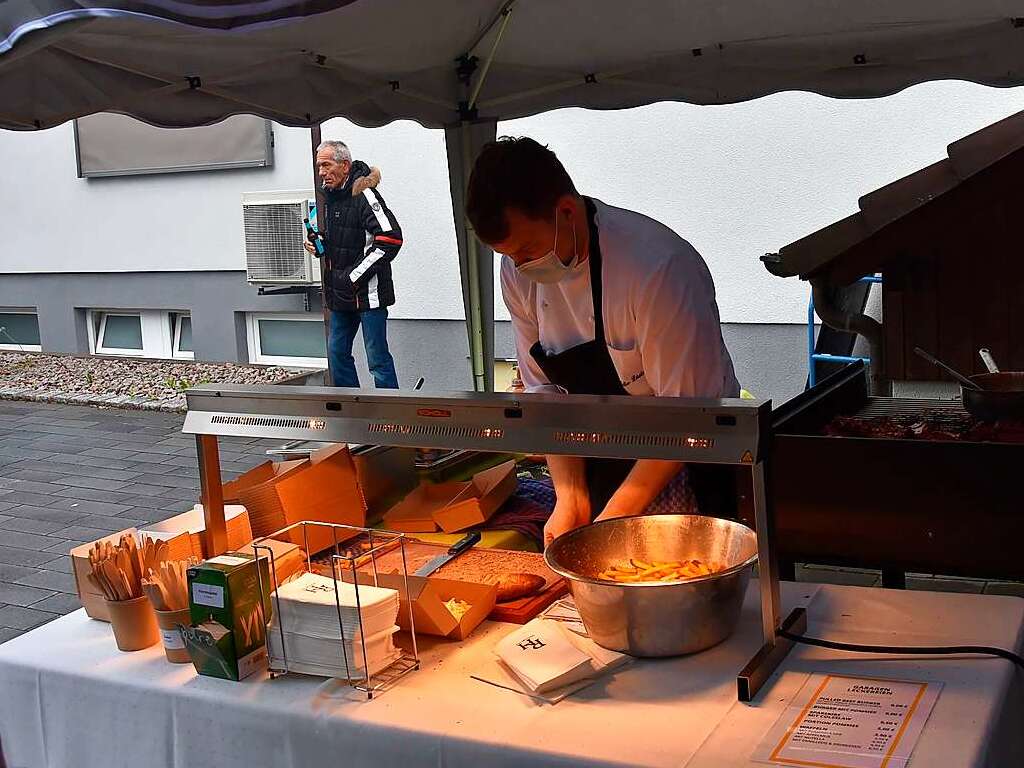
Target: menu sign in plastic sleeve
pixel 847 722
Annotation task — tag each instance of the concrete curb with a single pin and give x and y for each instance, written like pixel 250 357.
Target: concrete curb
pixel 171 405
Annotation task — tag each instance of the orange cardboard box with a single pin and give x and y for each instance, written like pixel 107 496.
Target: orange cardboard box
pixel 490 489
pixel 429 594
pixel 92 598
pixel 323 488
pixel 414 513
pixel 255 476
pixel 288 558
pixel 193 523
pixel 456 506
pixel 185 536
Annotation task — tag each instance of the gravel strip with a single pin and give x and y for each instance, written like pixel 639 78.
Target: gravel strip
pixel 152 385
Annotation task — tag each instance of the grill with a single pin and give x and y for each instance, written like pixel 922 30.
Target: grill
pixel 928 506
pixel 947 411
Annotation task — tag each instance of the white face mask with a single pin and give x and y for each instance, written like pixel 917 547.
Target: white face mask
pixel 549 268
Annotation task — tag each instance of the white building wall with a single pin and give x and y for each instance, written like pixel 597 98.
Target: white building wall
pixel 735 180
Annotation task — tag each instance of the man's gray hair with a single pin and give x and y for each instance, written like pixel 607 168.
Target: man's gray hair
pixel 339 149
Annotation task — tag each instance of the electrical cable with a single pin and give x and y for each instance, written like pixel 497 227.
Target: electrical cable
pixel 937 650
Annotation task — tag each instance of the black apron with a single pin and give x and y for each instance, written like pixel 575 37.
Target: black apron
pixel 587 369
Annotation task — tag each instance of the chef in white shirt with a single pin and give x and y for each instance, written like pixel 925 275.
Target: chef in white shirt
pixel 604 301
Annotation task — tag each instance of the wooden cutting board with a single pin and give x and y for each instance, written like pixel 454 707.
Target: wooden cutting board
pixel 478 565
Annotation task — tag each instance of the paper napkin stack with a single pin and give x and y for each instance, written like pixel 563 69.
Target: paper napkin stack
pixel 315 643
pixel 544 656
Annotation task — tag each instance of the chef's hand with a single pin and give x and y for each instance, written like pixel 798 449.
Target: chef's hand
pixel 569 514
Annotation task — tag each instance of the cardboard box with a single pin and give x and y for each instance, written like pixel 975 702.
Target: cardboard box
pixel 323 489
pixel 185 537
pixel 193 524
pixel 92 598
pixel 260 474
pixel 429 595
pixel 229 615
pixel 490 489
pixel 454 506
pixel 414 513
pixel 386 475
pixel 289 559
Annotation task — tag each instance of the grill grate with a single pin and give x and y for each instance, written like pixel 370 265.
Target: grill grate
pixel 912 408
pixel 885 418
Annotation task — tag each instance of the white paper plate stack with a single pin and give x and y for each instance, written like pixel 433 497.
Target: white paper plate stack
pixel 315 644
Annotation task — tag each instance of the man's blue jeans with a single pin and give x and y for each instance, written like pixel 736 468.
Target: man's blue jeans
pixel 342 334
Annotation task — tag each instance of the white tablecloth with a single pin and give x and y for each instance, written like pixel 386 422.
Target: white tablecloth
pixel 69 698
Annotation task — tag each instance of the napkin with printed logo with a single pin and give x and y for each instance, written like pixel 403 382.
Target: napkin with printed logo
pixel 543 656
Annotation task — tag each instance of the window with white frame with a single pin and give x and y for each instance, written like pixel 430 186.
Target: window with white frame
pixel 19 330
pixel 182 335
pixel 154 333
pixel 287 340
pixel 119 334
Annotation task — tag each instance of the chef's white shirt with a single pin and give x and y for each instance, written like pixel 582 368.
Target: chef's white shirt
pixel 660 315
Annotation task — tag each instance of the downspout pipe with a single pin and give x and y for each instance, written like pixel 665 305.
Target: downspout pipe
pixel 853 322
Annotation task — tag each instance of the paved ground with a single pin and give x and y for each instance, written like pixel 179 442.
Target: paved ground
pixel 70 474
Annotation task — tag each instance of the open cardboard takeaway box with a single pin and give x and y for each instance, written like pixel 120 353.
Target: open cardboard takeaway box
pixel 453 506
pixel 429 595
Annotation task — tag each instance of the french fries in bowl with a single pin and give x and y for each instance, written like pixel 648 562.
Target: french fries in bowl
pixel 638 570
pixel 657 585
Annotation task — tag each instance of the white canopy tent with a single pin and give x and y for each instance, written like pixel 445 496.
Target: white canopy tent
pixel 461 65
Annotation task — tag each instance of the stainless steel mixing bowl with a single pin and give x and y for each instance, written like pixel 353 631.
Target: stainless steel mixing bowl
pixel 657 618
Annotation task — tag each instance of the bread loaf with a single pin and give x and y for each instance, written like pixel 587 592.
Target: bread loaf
pixel 512 586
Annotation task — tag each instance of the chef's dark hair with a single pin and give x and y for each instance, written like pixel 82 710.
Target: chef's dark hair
pixel 513 173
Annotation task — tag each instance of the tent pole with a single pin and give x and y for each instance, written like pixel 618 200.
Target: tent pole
pixel 463 141
pixel 476 324
pixel 315 137
pixel 506 16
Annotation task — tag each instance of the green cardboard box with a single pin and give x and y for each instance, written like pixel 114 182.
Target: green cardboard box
pixel 229 615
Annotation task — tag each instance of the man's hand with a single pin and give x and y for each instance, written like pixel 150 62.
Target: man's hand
pixel 569 514
pixel 310 248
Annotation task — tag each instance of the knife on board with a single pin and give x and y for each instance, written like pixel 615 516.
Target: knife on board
pixel 456 549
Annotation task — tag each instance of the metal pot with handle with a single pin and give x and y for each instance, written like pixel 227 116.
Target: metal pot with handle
pixel 1001 396
pixel 987 396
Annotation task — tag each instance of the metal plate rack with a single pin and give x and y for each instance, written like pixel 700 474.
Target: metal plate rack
pixel 379 542
pixel 729 431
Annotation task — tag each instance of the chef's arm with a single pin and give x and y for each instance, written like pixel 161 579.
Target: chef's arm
pixel 569 478
pixel 642 485
pixel 572 499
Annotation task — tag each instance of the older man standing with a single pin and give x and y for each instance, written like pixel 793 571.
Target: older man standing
pixel 361 238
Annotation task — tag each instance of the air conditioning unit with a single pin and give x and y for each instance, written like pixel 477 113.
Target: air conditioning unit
pixel 274 233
